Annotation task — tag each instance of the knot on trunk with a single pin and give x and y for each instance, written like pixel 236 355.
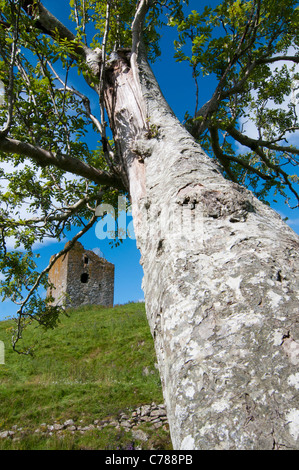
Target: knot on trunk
pixel 142 146
pixel 93 60
pixel 232 202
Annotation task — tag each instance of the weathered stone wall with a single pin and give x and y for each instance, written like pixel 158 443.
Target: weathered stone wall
pixel 90 279
pixel 82 278
pixel 58 277
pixel 152 415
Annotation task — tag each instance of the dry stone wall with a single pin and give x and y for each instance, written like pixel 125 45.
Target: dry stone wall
pixel 152 414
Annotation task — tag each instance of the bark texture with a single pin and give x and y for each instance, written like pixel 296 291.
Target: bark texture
pixel 220 280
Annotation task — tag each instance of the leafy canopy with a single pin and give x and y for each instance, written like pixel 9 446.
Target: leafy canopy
pixel 251 121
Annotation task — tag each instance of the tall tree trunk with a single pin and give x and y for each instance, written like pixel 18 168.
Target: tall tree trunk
pixel 220 279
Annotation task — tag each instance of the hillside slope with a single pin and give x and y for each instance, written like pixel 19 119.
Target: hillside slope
pixel 97 365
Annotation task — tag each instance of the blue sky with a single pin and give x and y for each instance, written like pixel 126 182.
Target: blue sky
pixel 178 88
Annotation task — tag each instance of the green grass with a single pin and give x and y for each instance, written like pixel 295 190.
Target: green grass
pixel 89 367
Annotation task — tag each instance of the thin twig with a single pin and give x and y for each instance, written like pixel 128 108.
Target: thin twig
pixel 101 89
pixel 10 88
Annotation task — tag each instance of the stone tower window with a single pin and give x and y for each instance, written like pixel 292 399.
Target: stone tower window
pixel 84 278
pixel 76 278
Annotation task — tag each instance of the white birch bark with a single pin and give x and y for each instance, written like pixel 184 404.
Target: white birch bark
pixel 221 291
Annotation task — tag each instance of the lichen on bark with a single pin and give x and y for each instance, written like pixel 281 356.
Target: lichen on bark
pixel 219 293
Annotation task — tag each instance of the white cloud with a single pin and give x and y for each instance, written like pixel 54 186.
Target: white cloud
pixel 293 222
pixel 24 211
pixel 10 243
pixel 98 252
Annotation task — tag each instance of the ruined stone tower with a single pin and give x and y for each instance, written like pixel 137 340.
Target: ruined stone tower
pixel 80 278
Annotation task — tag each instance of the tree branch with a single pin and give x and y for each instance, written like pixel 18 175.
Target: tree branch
pixel 109 154
pixel 50 25
pixel 138 21
pixel 10 88
pixel 106 146
pixel 250 68
pixel 248 38
pixel 46 158
pixel 225 159
pixel 256 146
pixel 212 105
pixel 254 143
pixel 219 152
pixel 270 60
pixel 56 215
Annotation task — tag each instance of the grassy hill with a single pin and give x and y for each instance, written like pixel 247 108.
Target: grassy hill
pixel 96 364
